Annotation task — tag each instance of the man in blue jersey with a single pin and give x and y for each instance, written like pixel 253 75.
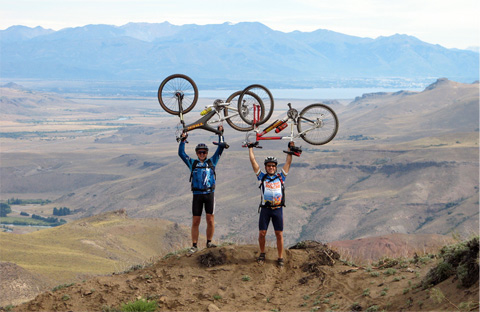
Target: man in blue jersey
pixel 273 199
pixel 203 186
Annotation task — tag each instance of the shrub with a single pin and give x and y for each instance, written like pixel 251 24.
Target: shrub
pixel 245 278
pixel 390 271
pixel 372 308
pixel 140 305
pixel 459 259
pixel 62 286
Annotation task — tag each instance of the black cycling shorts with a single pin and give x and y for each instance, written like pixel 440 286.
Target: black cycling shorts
pixel 267 214
pixel 201 200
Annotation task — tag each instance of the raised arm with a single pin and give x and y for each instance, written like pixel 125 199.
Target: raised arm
pixel 255 166
pixel 221 146
pixel 288 162
pixel 181 152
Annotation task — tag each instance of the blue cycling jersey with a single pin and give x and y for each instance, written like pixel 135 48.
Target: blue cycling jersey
pixel 203 177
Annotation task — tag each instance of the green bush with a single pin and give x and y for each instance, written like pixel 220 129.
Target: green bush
pixel 390 271
pixel 459 259
pixel 140 305
pixel 62 286
pixel 245 278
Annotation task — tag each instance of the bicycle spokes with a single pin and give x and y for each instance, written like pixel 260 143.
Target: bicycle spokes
pixel 312 123
pixel 317 124
pixel 177 94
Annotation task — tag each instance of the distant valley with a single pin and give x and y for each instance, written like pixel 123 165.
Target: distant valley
pixel 401 163
pixel 400 177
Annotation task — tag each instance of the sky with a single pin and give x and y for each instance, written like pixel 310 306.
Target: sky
pixel 451 24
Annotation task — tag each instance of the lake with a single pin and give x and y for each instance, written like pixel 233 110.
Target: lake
pixel 307 94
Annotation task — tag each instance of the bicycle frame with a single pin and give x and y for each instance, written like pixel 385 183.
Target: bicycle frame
pixel 204 122
pixel 217 108
pixel 260 135
pixel 280 124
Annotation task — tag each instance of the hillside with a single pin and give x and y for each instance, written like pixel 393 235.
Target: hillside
pixel 18 285
pixel 15 100
pixel 101 244
pixel 392 246
pixel 401 163
pixel 228 279
pixel 443 106
pixel 113 242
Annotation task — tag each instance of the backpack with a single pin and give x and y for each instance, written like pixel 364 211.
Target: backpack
pixel 209 165
pixel 261 186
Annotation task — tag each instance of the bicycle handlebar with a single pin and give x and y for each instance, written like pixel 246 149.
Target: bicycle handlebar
pixel 226 146
pixel 250 144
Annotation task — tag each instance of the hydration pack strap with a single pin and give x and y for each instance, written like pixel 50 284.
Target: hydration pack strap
pixel 209 165
pixel 261 186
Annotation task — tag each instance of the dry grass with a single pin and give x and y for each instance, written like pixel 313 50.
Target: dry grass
pixel 89 246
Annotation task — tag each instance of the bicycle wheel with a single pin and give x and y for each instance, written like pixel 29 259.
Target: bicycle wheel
pixel 235 121
pixel 246 101
pixel 173 87
pixel 318 123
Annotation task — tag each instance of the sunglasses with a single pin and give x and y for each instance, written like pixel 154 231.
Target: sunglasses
pixel 202 152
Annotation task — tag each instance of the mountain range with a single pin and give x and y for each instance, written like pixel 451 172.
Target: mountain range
pixel 221 54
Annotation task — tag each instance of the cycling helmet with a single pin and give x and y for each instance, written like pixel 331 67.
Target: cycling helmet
pixel 270 159
pixel 201 146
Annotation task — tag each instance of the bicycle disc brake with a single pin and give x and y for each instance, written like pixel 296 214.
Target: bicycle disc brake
pixel 292 114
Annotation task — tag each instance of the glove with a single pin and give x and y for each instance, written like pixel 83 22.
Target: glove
pixel 294 150
pixel 251 145
pixel 184 137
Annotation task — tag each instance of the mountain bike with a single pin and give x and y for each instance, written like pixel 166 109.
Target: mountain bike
pixel 316 124
pixel 178 95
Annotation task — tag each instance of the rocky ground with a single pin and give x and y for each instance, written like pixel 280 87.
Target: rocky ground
pixel 228 278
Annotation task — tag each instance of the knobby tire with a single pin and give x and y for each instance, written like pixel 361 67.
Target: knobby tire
pixel 246 101
pixel 237 122
pixel 326 116
pixel 173 84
